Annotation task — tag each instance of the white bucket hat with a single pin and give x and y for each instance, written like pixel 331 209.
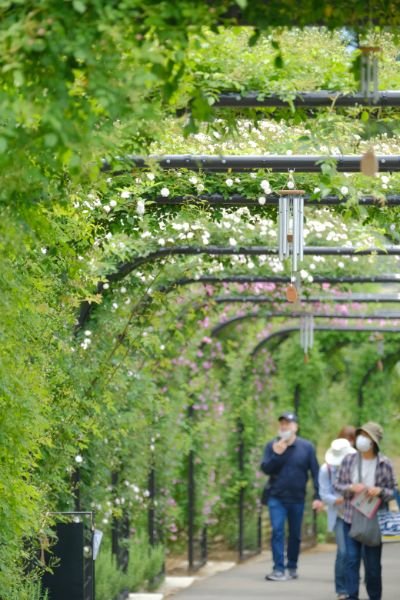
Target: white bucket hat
pixel 337 451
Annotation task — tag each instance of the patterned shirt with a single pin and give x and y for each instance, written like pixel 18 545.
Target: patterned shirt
pixel 384 478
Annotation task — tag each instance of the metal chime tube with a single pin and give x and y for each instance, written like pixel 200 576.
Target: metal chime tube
pixel 295 232
pixel 375 77
pixel 306 332
pixel 301 228
pixel 283 246
pixel 369 73
pixel 291 228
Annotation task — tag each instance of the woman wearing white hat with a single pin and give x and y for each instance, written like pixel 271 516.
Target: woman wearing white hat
pixel 334 501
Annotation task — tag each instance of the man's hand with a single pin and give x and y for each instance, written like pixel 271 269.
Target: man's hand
pixel 279 447
pixel 318 505
pixel 356 488
pixel 339 501
pixel 374 491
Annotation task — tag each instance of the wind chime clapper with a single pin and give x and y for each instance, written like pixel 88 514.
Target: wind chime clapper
pixel 306 333
pixel 291 235
pixel 369 72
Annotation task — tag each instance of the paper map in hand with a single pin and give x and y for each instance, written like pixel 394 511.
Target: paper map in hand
pixel 367 505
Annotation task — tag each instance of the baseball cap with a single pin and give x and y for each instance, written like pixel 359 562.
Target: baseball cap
pixel 289 416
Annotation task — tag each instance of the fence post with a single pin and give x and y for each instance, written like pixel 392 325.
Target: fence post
pixel 191 495
pixel 240 429
pixel 115 549
pixel 151 509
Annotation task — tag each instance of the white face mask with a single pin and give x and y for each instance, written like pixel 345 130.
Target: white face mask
pixel 285 434
pixel 363 444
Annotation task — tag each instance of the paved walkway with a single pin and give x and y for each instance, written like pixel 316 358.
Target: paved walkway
pixel 315 581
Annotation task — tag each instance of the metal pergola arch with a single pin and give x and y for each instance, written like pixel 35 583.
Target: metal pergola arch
pixel 273 162
pixel 125 268
pixel 357 298
pixel 314 99
pixel 317 279
pixel 288 330
pixel 237 200
pixel 293 315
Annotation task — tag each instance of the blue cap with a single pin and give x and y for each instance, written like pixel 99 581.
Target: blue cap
pixel 289 416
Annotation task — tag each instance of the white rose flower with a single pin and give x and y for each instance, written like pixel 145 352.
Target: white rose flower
pixel 140 207
pixel 232 242
pixel 262 200
pixel 113 203
pixel 164 192
pixel 193 180
pixel 125 194
pixel 344 190
pixel 150 176
pixel 106 208
pixel 78 459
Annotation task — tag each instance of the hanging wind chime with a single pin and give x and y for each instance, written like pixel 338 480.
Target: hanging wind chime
pixel 380 350
pixel 306 333
pixel 369 72
pixel 291 234
pixel 369 88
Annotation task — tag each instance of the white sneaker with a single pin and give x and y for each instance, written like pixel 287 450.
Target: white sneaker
pixel 277 576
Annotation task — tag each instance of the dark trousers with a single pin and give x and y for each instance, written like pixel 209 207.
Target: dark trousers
pixel 372 562
pixel 279 512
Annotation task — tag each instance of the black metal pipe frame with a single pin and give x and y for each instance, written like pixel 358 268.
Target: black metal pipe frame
pixel 364 299
pixel 288 330
pixel 294 315
pixel 125 268
pixel 306 99
pixel 237 200
pixel 389 278
pixel 275 163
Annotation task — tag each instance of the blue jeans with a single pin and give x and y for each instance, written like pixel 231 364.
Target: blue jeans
pixel 340 562
pixel 372 563
pixel 278 512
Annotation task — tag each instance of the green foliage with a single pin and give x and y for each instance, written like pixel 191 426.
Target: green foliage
pixel 145 563
pixel 83 80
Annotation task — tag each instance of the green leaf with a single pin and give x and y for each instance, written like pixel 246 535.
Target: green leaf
pixel 50 140
pixel 3 145
pixel 79 6
pixel 242 3
pixel 255 36
pixel 278 62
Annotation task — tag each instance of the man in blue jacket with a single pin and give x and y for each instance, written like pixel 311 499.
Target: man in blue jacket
pixel 287 460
